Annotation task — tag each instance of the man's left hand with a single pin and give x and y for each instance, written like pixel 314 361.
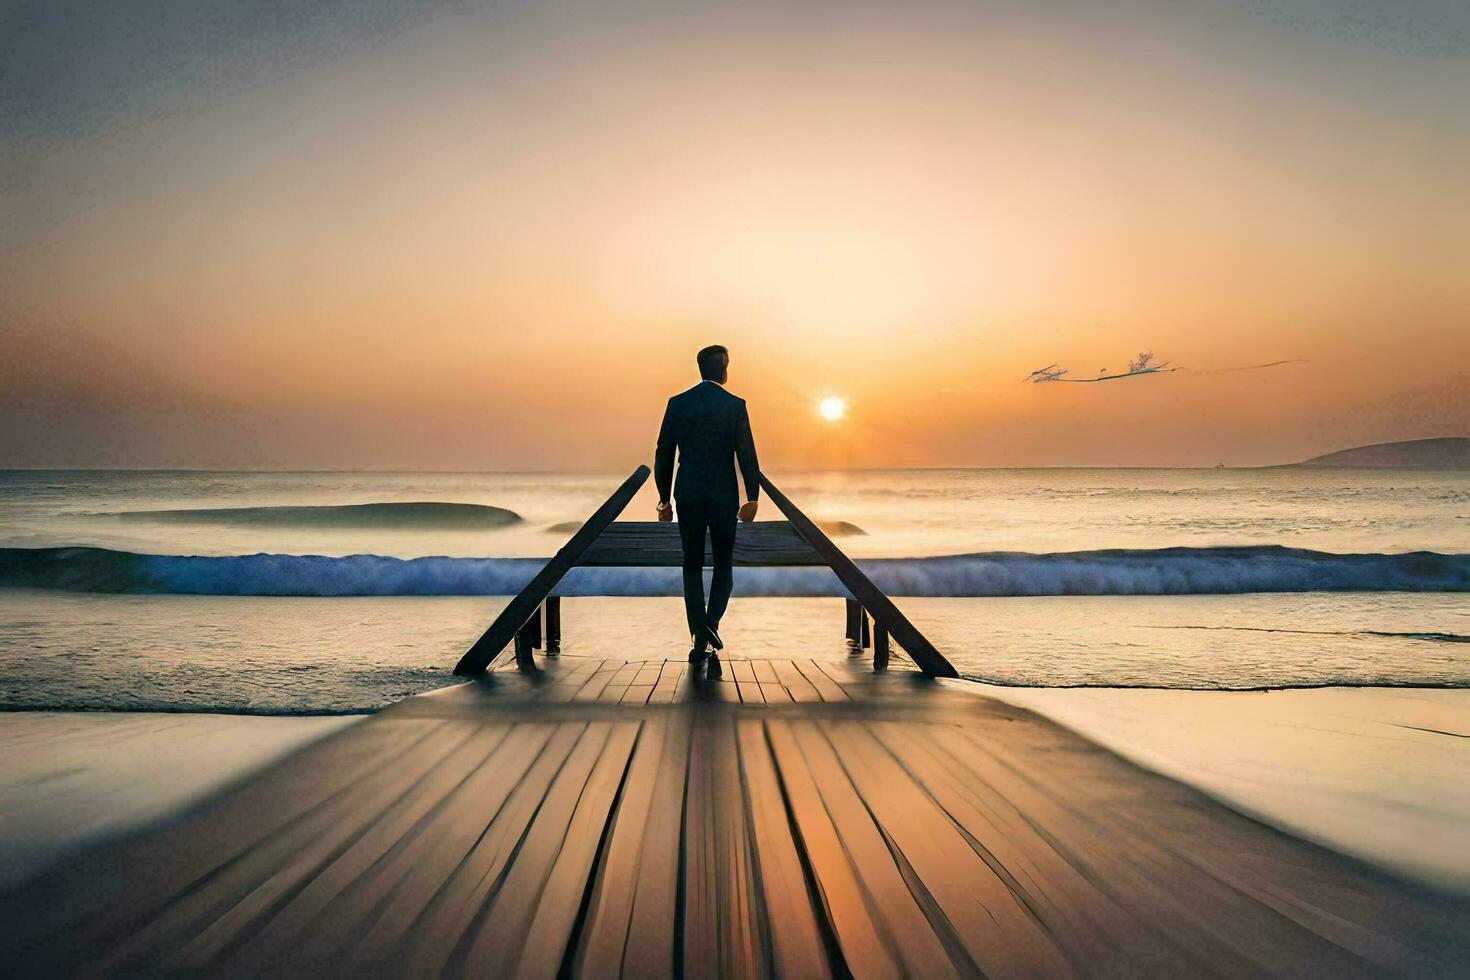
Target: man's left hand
pixel 747 511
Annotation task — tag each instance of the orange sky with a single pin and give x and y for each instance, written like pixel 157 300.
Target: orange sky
pixel 494 238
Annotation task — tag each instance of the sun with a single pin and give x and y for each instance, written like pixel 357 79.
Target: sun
pixel 832 408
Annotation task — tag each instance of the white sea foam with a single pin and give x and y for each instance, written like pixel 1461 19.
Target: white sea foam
pixel 1166 571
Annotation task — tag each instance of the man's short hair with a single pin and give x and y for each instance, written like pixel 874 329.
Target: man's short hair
pixel 712 362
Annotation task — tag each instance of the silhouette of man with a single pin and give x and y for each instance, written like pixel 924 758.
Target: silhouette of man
pixel 710 430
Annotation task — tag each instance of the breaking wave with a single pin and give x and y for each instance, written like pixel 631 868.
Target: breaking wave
pixel 427 515
pixel 1164 571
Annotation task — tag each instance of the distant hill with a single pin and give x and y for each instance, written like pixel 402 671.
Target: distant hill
pixel 1416 454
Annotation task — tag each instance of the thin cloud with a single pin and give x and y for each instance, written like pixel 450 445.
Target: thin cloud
pixel 1248 367
pixel 1144 363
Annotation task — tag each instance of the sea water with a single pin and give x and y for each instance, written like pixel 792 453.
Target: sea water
pixel 277 592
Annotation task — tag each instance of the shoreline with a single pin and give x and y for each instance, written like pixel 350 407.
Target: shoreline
pixel 25 709
pixel 990 687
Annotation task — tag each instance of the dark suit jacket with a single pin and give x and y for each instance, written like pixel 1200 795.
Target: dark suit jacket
pixel 710 429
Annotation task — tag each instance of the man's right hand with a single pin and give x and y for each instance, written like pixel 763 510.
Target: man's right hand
pixel 746 514
pixel 665 511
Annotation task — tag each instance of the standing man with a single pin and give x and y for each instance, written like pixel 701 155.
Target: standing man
pixel 710 429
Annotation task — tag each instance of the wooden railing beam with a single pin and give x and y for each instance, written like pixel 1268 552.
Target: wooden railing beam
pixel 895 623
pixel 483 653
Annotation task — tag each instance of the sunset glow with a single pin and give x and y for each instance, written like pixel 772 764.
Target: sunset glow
pixel 494 237
pixel 832 408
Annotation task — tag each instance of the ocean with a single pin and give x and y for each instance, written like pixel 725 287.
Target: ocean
pixel 301 593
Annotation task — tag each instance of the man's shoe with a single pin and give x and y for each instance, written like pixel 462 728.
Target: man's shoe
pixel 712 667
pixel 713 638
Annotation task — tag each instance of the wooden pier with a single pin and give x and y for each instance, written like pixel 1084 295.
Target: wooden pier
pixel 800 817
pixel 606 813
pixel 603 541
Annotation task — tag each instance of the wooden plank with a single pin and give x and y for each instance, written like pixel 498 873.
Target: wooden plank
pixel 569 682
pixel 723 689
pixel 855 686
pixel 618 685
pixel 649 950
pixel 603 940
pixel 375 918
pixel 795 682
pixel 1236 936
pixel 746 685
pixel 1086 799
pixel 503 932
pixel 723 930
pixel 798 949
pixel 490 645
pixel 599 681
pixel 561 900
pixel 913 937
pixel 826 687
pixel 867 948
pixel 651 544
pixel 925 656
pixel 289 932
pixel 637 694
pixel 668 682
pixel 775 693
pixel 960 891
pixel 1088 924
pixel 72 916
pixel 230 903
pixel 772 691
pixel 458 907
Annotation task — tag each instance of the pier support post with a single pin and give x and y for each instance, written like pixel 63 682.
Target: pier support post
pixel 528 638
pixel 553 624
pixel 866 638
pixel 880 646
pixel 854 629
pixel 524 660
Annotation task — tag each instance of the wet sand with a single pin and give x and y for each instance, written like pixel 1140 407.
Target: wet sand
pixel 70 779
pixel 1378 773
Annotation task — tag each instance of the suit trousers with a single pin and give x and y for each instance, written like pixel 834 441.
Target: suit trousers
pixel 695 518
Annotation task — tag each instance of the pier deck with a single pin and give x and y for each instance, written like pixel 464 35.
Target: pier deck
pixel 801 817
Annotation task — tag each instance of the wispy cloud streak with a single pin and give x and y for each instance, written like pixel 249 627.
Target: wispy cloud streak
pixel 1141 365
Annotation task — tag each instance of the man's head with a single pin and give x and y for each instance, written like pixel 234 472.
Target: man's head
pixel 714 363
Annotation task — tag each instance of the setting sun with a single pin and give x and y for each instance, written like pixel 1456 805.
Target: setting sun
pixel 832 408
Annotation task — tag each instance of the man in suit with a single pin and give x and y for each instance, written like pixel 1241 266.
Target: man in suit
pixel 709 429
